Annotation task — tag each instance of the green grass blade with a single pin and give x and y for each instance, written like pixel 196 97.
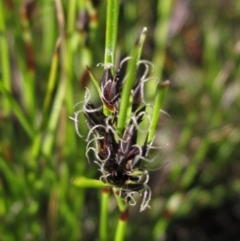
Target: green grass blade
pixel 121 226
pixel 161 36
pixel 84 182
pixel 5 61
pixel 129 82
pixel 71 16
pixel 160 94
pixel 111 32
pixel 103 226
pixel 29 63
pixel 17 111
pixel 52 77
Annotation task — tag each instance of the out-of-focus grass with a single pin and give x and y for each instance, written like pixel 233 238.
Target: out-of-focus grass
pixel 41 79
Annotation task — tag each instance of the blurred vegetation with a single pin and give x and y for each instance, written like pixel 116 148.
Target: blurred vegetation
pixel 44 49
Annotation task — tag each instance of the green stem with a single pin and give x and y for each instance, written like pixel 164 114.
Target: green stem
pixel 84 182
pixel 47 100
pixel 111 37
pixel 122 222
pixel 111 32
pixel 109 60
pixel 49 29
pixel 200 154
pixel 129 82
pixel 160 94
pixel 71 16
pixel 104 215
pixel 60 95
pixel 21 116
pixel 52 77
pixel 4 58
pixel 161 34
pixel 29 78
pixel 183 141
pixel 121 227
pixel 121 203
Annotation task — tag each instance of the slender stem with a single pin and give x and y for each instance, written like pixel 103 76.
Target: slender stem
pixel 131 70
pixel 71 16
pixel 199 155
pixel 160 94
pixel 111 32
pixel 121 227
pixel 161 37
pixel 58 101
pixel 111 37
pixel 95 82
pixel 121 203
pixel 47 100
pixel 184 139
pixel 84 182
pixel 49 29
pixel 21 116
pixel 29 83
pixel 52 77
pixel 4 58
pixel 109 60
pixel 104 215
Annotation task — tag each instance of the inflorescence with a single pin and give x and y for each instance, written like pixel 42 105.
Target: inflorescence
pixel 119 157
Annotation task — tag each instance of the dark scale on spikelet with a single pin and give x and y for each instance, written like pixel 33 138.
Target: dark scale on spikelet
pixel 111 88
pixel 119 156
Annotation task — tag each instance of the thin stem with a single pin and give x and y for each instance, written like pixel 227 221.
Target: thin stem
pixel 49 29
pixel 129 82
pixel 121 227
pixel 160 94
pixel 121 203
pixel 199 155
pixel 109 60
pixel 123 217
pixel 29 83
pixel 104 215
pixel 111 37
pixel 4 58
pixel 161 37
pixel 52 77
pixel 84 182
pixel 183 141
pixel 71 16
pixel 95 82
pixel 47 100
pixel 21 116
pixel 58 101
pixel 111 32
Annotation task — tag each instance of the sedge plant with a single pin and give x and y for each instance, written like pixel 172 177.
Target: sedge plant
pixel 115 125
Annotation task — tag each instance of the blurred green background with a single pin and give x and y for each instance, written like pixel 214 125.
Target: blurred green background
pixel 45 46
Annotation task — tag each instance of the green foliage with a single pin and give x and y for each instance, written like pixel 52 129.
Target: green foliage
pixel 45 47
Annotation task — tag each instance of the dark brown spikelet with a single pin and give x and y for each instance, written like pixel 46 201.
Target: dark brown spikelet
pixel 111 88
pixel 118 154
